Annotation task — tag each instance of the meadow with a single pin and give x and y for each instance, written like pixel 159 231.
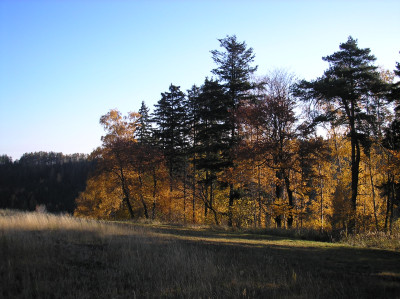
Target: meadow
pixel 59 256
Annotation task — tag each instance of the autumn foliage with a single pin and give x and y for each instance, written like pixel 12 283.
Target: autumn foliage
pixel 257 152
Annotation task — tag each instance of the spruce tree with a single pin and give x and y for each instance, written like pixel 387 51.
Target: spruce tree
pixel 234 69
pixel 192 118
pixel 212 129
pixel 144 131
pixel 169 115
pixel 234 72
pixel 212 147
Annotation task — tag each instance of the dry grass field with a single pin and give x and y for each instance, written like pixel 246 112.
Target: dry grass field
pixel 48 256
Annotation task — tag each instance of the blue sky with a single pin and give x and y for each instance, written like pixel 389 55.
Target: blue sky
pixel 63 64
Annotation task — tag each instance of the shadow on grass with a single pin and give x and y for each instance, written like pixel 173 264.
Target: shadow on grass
pixel 330 257
pixel 334 269
pixel 174 261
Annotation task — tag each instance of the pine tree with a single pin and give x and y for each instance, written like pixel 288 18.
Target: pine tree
pixel 395 94
pixel 340 94
pixel 391 142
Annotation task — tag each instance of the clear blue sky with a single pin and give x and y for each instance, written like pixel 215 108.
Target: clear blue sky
pixel 63 64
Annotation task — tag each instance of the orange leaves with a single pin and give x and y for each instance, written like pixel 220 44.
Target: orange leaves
pixel 100 199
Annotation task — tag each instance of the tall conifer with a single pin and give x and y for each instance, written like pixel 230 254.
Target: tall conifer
pixel 169 115
pixel 144 131
pixel 341 94
pixel 234 72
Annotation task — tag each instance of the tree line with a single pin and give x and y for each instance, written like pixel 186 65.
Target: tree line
pixel 244 150
pixel 43 181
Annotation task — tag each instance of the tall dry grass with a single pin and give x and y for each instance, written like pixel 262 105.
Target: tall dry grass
pixel 48 256
pixel 374 239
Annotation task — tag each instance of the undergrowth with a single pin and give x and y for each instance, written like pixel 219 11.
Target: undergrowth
pixel 374 239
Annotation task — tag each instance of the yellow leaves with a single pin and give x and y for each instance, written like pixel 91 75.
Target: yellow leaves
pixel 100 199
pixel 394 162
pixel 318 189
pixel 118 126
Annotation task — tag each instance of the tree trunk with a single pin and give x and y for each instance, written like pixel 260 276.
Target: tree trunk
pixel 146 214
pixel 259 195
pixel 184 192
pixel 194 198
pixel 279 195
pixel 371 178
pixel 322 198
pixel 211 204
pixel 230 205
pixel 206 197
pixel 290 198
pixel 125 191
pixel 387 206
pixel 355 163
pixel 153 213
pixel 391 205
pixel 170 190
